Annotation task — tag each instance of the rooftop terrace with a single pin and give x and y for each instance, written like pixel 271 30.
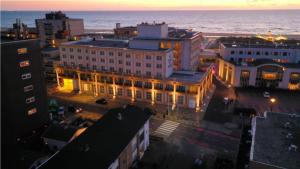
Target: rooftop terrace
pixel 270 142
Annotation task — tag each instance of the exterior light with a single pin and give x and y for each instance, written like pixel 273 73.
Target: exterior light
pixel 273 100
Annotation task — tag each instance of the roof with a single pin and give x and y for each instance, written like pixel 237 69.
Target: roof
pixel 59 133
pixel 270 145
pixel 101 144
pixel 259 62
pixel 186 76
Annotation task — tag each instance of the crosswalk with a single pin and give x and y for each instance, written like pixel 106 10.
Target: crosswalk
pixel 166 128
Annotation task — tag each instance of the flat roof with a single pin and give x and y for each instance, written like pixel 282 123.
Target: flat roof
pixel 186 76
pixel 108 43
pixel 101 144
pixel 259 62
pixel 61 133
pixel 270 145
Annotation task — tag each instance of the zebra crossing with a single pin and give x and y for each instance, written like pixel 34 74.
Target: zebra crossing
pixel 166 128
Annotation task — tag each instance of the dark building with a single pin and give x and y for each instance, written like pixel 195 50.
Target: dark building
pixel 23 97
pixel 119 138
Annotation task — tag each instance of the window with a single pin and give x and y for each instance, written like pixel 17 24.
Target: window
pixel 120 62
pixel 94 67
pixel 22 51
pixel 63 49
pixel 138 64
pixel 24 63
pixel 148 95
pixel 129 93
pixel 138 72
pixel 284 54
pixel 86 51
pixel 110 90
pixel 94 59
pixel 28 88
pixel 93 52
pixel 72 57
pixel 71 49
pixel 87 58
pixel 148 57
pixel 101 52
pixel 148 65
pixel 158 97
pixel 232 52
pixel 111 54
pixel 128 56
pixel 275 53
pixel 101 89
pixel 159 66
pixel 180 99
pixel 31 111
pixel 128 71
pixel 119 53
pixel 72 64
pixel 64 56
pixel 158 58
pixel 148 85
pixel 257 53
pixel 249 52
pixel 103 68
pixel 26 76
pixel 128 63
pixel 159 75
pixel 111 61
pixel 266 53
pixel 79 50
pixel 102 60
pixel 79 57
pixel 158 86
pixel 148 73
pixel 65 63
pixel 119 92
pixel 112 69
pixel 241 52
pixel 138 94
pixel 120 70
pixel 30 100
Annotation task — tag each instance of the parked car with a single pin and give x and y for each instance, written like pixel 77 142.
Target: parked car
pixel 101 101
pixel 266 95
pixel 78 110
pixel 61 110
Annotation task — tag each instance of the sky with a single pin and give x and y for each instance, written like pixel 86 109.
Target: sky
pixel 71 5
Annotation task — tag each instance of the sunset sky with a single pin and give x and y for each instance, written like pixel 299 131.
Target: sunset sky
pixel 147 4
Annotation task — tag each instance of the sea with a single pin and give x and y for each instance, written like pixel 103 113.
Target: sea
pixel 237 21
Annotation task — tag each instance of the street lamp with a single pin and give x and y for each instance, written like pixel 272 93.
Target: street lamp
pixel 272 100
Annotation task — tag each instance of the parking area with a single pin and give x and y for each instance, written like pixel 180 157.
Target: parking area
pixel 285 101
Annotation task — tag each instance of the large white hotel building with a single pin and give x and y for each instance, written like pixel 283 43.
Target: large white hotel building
pixel 140 69
pixel 246 62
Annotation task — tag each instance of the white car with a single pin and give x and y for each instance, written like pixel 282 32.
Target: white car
pixel 266 94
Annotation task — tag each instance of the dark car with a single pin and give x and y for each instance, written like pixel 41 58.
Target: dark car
pixel 151 111
pixel 101 101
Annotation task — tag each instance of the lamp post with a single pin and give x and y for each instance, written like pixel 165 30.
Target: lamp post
pixel 272 102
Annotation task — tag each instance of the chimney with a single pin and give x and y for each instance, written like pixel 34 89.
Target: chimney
pixel 118 25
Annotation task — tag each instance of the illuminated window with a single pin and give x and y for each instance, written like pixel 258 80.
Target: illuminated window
pixel 28 88
pixel 180 99
pixel 129 93
pixel 31 111
pixel 22 51
pixel 110 90
pixel 158 97
pixel 26 76
pixel 120 91
pixel 24 63
pixel 30 100
pixel 148 96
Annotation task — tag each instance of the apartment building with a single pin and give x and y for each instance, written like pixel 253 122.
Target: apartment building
pixel 51 59
pixel 23 97
pixel 57 28
pixel 116 141
pixel 260 63
pixel 129 70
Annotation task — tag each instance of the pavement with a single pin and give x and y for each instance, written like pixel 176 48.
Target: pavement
pixel 286 101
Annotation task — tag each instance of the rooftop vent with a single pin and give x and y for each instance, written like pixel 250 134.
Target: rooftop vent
pixel 119 116
pixel 287 125
pixel 289 136
pixel 293 147
pixel 85 148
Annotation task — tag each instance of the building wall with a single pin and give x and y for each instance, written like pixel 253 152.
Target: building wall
pixel 75 27
pixel 127 61
pixel 258 165
pixel 30 113
pixel 152 30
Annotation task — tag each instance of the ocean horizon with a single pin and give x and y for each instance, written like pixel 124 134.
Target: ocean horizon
pixel 213 21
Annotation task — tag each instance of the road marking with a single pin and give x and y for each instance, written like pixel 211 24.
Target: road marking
pixel 166 128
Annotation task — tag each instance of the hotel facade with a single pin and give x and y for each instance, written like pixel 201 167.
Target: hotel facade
pixel 263 64
pixel 130 70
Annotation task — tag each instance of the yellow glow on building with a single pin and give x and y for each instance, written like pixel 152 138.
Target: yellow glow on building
pixel 67 85
pixel 269 76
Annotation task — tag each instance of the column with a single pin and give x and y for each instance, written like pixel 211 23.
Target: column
pixel 96 85
pixel 227 71
pixel 198 99
pixel 57 77
pixel 79 82
pixel 132 90
pixel 174 96
pixel 114 87
pixel 152 93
